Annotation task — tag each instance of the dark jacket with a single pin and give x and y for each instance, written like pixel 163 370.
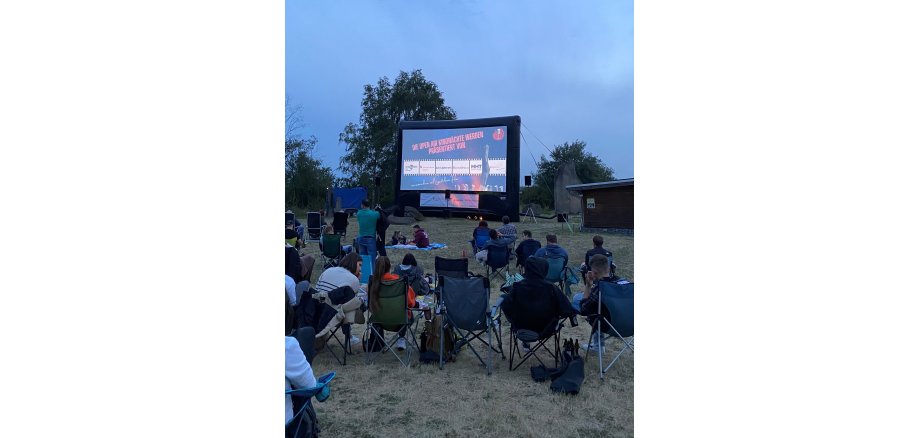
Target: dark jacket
pixel 292 266
pixel 416 278
pixel 526 248
pixel 534 303
pixel 600 251
pixel 382 225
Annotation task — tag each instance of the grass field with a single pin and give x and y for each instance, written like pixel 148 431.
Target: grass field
pixel 387 400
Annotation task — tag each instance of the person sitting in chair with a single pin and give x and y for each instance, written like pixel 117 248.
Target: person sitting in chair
pixel 410 269
pixel 598 249
pixel 534 303
pixel 479 233
pixel 382 264
pixel 552 249
pixel 297 370
pixel 526 248
pixel 291 234
pixel 494 241
pixel 600 272
pixel 507 230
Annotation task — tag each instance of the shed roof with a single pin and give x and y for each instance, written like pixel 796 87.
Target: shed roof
pixel 600 185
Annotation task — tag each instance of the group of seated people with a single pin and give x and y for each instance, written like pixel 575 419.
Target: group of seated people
pixel 530 303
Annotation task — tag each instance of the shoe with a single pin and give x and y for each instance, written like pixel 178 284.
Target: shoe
pixel 525 346
pixel 355 340
pixel 401 344
pixel 593 346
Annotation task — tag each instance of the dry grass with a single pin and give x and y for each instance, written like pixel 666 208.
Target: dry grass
pixel 386 399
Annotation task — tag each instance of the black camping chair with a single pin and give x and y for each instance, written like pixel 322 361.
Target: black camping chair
pixel 526 249
pixel 332 249
pixel 537 340
pixel 498 259
pixel 314 226
pixel 340 222
pixel 617 322
pixel 466 311
pixel 456 268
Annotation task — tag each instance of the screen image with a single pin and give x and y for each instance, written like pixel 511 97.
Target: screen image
pixel 460 159
pixel 457 200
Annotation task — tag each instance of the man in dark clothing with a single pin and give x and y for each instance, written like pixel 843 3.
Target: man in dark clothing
pixel 600 272
pixel 382 225
pixel 420 238
pixel 598 249
pixel 534 303
pixel 526 248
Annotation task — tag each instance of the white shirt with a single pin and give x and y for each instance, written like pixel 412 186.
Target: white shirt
pixel 290 286
pixel 334 278
pixel 297 371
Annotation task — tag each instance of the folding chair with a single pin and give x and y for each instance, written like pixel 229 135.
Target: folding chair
pixel 303 424
pixel 341 325
pixel 340 222
pixel 498 258
pixel 556 273
pixel 617 298
pixel 537 342
pixel 456 268
pixel 392 315
pixel 528 248
pixel 332 248
pixel 479 240
pixel 314 226
pixel 466 311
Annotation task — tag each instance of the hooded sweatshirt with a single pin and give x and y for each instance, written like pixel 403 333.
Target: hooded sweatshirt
pixel 534 303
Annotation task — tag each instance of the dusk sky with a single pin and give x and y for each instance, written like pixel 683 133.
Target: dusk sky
pixel 565 67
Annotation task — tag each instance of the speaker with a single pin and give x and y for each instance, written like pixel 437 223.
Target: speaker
pixel 527 181
pixel 447 194
pixel 377 181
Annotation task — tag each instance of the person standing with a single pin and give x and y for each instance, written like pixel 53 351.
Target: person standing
pixel 367 230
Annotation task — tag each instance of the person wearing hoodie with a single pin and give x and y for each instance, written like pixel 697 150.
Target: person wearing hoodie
pixel 410 269
pixel 420 238
pixel 534 303
pixel 552 249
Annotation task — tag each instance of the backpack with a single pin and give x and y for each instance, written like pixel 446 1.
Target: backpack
pixel 415 281
pixel 433 338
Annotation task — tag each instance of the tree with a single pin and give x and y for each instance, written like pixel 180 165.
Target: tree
pixel 305 178
pixel 371 144
pixel 588 167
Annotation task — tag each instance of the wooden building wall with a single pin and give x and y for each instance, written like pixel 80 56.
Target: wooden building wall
pixel 613 207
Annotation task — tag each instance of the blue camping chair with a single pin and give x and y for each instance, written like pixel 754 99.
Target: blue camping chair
pixel 479 240
pixel 556 272
pixel 367 268
pixel 304 421
pixel 617 321
pixel 498 258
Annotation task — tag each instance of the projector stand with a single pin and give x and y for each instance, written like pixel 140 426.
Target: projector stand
pixel 529 212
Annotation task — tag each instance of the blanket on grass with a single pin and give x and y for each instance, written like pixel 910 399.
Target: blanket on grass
pixel 430 247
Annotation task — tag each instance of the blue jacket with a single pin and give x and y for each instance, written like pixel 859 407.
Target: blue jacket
pixel 552 249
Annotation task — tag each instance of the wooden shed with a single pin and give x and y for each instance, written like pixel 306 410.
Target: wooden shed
pixel 606 204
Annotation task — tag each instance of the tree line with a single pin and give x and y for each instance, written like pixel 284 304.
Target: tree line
pixel 370 146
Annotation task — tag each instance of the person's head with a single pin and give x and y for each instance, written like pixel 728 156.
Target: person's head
pixel 535 268
pixel 493 234
pixel 506 220
pixel 483 224
pixel 289 225
pixel 409 260
pixel 598 241
pixel 550 238
pixel 328 229
pixel 416 228
pixel 528 234
pixel 381 267
pixel 352 262
pixel 600 265
pixel 365 203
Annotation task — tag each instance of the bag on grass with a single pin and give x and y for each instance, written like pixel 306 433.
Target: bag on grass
pixel 433 338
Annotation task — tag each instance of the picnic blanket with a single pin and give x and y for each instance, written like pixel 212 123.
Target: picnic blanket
pixel 430 247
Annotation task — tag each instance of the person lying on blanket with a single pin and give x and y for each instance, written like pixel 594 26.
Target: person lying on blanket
pixel 421 237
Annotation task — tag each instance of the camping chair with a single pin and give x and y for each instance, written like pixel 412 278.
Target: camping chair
pixel 340 222
pixel 456 268
pixel 335 325
pixel 537 342
pixel 617 298
pixel 528 248
pixel 314 226
pixel 466 311
pixel 367 269
pixel 303 424
pixel 497 260
pixel 479 240
pixel 556 272
pixel 332 249
pixel 392 315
